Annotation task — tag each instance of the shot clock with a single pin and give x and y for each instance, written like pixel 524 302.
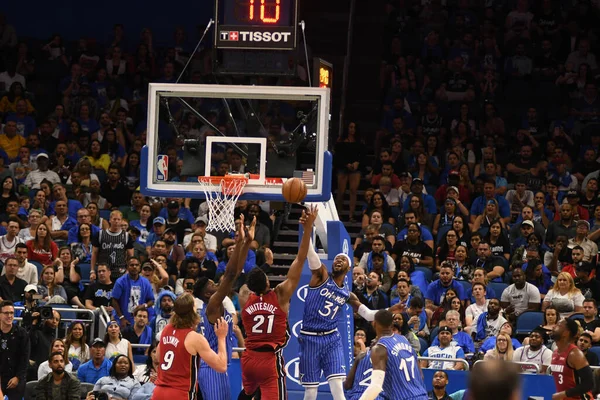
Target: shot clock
pixel 256 24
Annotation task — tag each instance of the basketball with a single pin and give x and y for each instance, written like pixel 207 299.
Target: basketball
pixel 294 190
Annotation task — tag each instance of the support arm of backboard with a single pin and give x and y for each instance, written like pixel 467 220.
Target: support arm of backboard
pixel 327 212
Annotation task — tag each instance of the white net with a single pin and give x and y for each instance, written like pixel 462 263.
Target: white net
pixel 221 198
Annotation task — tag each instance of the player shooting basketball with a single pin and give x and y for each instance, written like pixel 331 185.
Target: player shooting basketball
pixel 265 321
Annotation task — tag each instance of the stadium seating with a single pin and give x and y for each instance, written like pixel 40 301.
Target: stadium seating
pixel 527 321
pixel 498 288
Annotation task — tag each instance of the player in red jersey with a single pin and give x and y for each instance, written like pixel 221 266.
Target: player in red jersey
pixel 180 349
pixel 570 369
pixel 265 320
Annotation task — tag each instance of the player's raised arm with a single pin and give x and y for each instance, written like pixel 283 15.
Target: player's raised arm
pixel 217 361
pixel 214 309
pixel 379 361
pixel 366 312
pixel 286 288
pixel 318 270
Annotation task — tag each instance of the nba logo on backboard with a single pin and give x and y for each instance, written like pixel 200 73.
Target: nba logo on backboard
pixel 162 168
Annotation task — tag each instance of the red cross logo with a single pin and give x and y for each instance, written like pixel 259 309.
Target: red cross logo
pixel 233 36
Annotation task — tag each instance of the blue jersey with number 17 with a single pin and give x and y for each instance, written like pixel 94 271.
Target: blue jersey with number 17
pixel 323 306
pixel 403 378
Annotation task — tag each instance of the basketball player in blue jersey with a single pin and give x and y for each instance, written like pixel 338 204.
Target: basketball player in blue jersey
pixel 359 376
pixel 215 385
pixel 396 369
pixel 320 342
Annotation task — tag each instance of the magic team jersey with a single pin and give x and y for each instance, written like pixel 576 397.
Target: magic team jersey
pixel 178 369
pixel 362 378
pixel 208 331
pixel 403 378
pixel 323 306
pixel 265 323
pixel 565 377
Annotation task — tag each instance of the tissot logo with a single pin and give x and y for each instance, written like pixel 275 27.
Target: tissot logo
pixel 302 292
pixel 293 370
pixel 252 36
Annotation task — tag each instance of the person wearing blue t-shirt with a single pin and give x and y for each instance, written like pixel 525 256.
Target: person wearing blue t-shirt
pixel 436 291
pixel 130 291
pixel 416 188
pixel 459 338
pixel 59 192
pixel 98 366
pixel 489 193
pixel 490 342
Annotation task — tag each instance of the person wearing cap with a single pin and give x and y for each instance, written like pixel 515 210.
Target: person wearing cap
pixel 114 190
pixel 112 246
pixel 174 251
pixel 159 225
pixel 590 248
pixel 183 211
pixel 579 212
pixel 535 352
pixel 98 366
pixel 174 220
pixel 199 228
pixel 404 189
pixel 443 350
pixel 489 193
pixel 417 188
pixel 35 177
pixel 564 226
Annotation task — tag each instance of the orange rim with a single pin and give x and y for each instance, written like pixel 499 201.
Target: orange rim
pixel 229 184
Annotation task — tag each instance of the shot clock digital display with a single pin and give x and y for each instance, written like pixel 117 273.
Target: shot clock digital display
pixel 256 24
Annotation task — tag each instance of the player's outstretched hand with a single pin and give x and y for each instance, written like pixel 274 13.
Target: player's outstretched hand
pixel 221 328
pixel 309 215
pixel 251 230
pixel 242 228
pixel 397 308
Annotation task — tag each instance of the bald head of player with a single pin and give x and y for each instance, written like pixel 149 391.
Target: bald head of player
pixel 341 265
pixel 383 323
pixel 185 315
pixel 257 281
pixel 494 380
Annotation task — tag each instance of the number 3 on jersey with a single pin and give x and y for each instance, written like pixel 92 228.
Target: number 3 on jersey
pixel 329 310
pixel 259 321
pixel 168 360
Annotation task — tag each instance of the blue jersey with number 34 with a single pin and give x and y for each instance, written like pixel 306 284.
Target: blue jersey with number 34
pixel 323 306
pixel 403 378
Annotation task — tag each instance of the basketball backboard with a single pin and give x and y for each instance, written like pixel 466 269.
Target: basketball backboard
pixel 269 133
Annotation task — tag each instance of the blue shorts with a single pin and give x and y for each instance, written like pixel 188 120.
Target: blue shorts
pixel 321 353
pixel 214 385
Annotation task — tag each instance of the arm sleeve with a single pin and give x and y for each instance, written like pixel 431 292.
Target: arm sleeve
pixel 314 262
pixel 586 383
pixel 367 314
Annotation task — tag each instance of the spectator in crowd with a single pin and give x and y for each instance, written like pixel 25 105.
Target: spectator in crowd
pixel 9 241
pixel 564 296
pixel 83 217
pixel 42 248
pixel 503 349
pixel 586 281
pixel 535 352
pixel 173 250
pixel 488 323
pixel 584 343
pixel 11 141
pixel 519 297
pixel 14 356
pixel 34 219
pixel 564 226
pixel 476 308
pixel 68 385
pixel 49 289
pixel 98 366
pixel 76 344
pixel 442 350
pixel 163 311
pixel 41 336
pixel 490 342
pixel 58 345
pixel 436 291
pixel 35 177
pixel 82 248
pixel 174 221
pixel 156 275
pixel 115 343
pixel 59 224
pixel 378 245
pixel 462 338
pixel 590 249
pixel 140 332
pixel 439 384
pixel 99 293
pixel 147 373
pixel 130 291
pixel 480 203
pixel 27 271
pixel 11 286
pixel 590 322
pixel 120 382
pixel 493 265
pixel 112 247
pixel 415 246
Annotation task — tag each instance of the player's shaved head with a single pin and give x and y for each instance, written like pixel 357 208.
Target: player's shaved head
pixel 494 380
pixel 384 319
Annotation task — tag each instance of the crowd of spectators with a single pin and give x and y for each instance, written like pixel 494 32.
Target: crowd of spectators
pixel 482 201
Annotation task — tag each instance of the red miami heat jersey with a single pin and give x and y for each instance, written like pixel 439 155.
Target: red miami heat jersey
pixel 178 369
pixel 264 321
pixel 565 376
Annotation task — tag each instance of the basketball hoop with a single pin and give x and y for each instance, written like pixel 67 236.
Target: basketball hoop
pixel 222 192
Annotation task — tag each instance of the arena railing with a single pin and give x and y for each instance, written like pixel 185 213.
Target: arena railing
pixel 459 360
pixel 527 363
pixel 68 315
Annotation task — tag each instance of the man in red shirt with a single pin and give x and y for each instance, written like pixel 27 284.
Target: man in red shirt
pixel 265 320
pixel 572 373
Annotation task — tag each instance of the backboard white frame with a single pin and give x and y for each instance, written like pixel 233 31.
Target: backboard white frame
pixel 249 140
pixel 150 186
